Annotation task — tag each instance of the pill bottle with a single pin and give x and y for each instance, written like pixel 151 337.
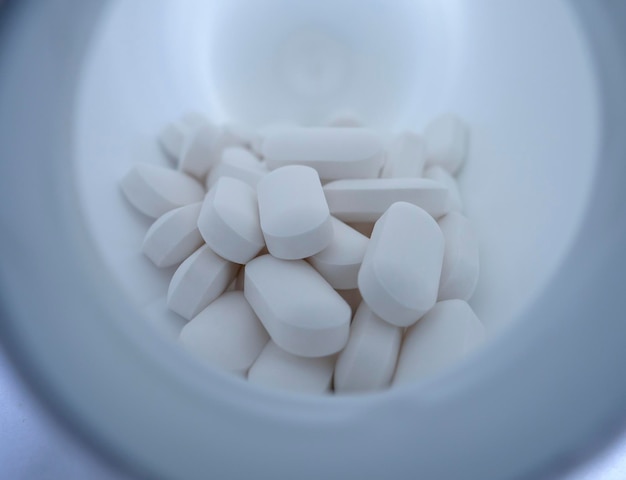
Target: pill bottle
pixel 85 87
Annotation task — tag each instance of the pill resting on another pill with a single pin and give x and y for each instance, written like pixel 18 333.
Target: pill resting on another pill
pixel 317 253
pixel 294 214
pixel 299 309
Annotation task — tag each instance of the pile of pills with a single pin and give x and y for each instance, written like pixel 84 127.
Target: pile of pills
pixel 314 259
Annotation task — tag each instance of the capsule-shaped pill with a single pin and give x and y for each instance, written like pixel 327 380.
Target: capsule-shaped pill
pixel 173 236
pixel 276 368
pixel 369 360
pixel 365 200
pixel 294 214
pixel 334 152
pixel 229 220
pixel 446 334
pixel 155 190
pixel 339 263
pixel 226 334
pixel 446 142
pixel 239 163
pixel 406 157
pixel 438 174
pixel 399 276
pixel 198 281
pixel 460 271
pixel 299 309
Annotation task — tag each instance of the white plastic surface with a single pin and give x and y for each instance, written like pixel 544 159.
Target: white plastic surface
pixel 198 281
pixel 276 368
pixel 365 200
pixel 406 156
pixel 334 152
pixel 399 276
pixel 173 236
pixel 369 359
pixel 294 214
pixel 447 140
pixel 155 190
pixel 339 263
pixel 229 220
pixel 299 309
pixel 226 334
pixel 446 334
pixel 461 259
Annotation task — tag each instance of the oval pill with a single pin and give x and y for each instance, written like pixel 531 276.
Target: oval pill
pixel 198 281
pixel 173 236
pixel 240 163
pixel 299 309
pixel 339 263
pixel 229 220
pixel 155 190
pixel 399 276
pixel 227 333
pixel 406 157
pixel 447 333
pixel 446 140
pixel 461 266
pixel 334 152
pixel 365 200
pixel 442 176
pixel 294 214
pixel 276 368
pixel 197 157
pixel 369 360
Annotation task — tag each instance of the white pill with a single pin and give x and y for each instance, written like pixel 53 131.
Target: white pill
pixel 441 338
pixel 446 140
pixel 198 281
pixel 171 139
pixel 294 214
pixel 352 298
pixel 344 118
pixel 240 163
pixel 365 200
pixel 276 368
pixel 406 157
pixel 369 359
pixel 299 309
pixel 339 263
pixel 197 155
pixel 334 152
pixel 460 271
pixel 155 190
pixel 227 334
pixel 263 132
pixel 236 134
pixel 399 276
pixel 173 236
pixel 442 176
pixel 229 220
